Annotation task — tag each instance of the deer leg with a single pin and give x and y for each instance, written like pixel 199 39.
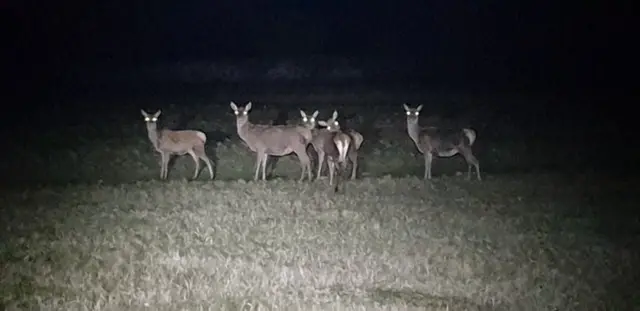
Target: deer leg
pixel 165 163
pixel 344 166
pixel 209 165
pixel 471 161
pixel 258 163
pixel 309 171
pixel 332 170
pixel 342 171
pixel 313 157
pixel 196 160
pixel 353 156
pixel 323 166
pixel 271 166
pixel 203 155
pixel 166 166
pixel 161 165
pixel 305 163
pixel 339 176
pixel 265 158
pixel 302 166
pixel 321 156
pixel 428 160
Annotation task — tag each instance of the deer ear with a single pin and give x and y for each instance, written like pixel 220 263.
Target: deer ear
pixel 157 114
pixel 144 113
pixel 315 114
pixel 335 114
pixel 419 108
pixel 247 107
pixel 322 123
pixel 302 114
pixel 233 106
pixel 405 107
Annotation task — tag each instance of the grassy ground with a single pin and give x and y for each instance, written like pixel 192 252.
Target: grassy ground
pixel 100 232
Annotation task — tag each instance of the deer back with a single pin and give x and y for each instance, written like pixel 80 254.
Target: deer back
pixel 274 139
pixel 443 140
pixel 180 141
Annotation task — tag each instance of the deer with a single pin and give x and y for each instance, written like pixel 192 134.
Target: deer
pixel 432 141
pixel 335 145
pixel 272 140
pixel 304 131
pixel 309 122
pixel 180 142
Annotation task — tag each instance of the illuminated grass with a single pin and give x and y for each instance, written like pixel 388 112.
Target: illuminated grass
pixel 103 233
pixel 387 244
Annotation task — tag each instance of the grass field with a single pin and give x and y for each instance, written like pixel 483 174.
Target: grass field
pixel 87 225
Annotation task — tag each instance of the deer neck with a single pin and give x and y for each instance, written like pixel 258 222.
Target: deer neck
pixel 152 133
pixel 413 131
pixel 311 128
pixel 243 126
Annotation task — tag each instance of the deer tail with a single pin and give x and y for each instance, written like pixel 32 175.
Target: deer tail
pixel 202 136
pixel 343 147
pixel 471 135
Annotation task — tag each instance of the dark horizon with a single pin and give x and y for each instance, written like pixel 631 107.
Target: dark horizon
pixel 516 43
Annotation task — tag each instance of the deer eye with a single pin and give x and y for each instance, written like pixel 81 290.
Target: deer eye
pixel 244 113
pixel 154 119
pixel 408 113
pixel 313 119
pixel 147 119
pixel 304 119
pixel 335 123
pixel 416 113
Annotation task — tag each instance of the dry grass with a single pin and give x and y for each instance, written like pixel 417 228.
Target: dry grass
pixel 104 234
pixel 388 244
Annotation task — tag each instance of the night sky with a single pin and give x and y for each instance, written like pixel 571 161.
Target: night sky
pixel 580 45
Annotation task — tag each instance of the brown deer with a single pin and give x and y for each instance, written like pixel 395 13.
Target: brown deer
pixel 274 140
pixel 168 143
pixel 335 145
pixel 443 143
pixel 309 121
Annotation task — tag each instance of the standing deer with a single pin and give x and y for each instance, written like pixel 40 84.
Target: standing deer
pixel 274 140
pixel 335 145
pixel 310 123
pixel 305 132
pixel 443 143
pixel 168 143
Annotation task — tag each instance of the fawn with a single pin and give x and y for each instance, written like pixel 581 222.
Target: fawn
pixel 443 143
pixel 274 140
pixel 168 143
pixel 309 121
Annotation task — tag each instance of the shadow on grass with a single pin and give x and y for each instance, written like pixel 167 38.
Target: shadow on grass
pixel 427 301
